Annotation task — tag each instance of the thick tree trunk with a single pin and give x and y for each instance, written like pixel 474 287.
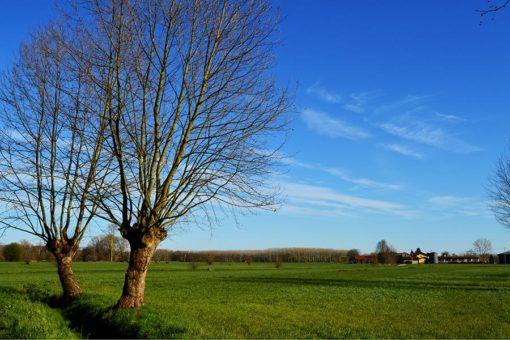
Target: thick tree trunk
pixel 134 283
pixel 67 278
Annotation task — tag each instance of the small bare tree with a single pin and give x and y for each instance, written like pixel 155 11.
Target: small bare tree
pixel 109 246
pixel 483 248
pixel 192 108
pixel 50 148
pixel 499 191
pixel 385 252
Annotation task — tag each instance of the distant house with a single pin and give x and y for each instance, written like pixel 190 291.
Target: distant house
pixel 416 257
pixel 504 258
pixel 419 256
pixel 403 258
pixel 365 259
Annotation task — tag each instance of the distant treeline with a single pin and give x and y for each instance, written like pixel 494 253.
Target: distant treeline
pixel 248 256
pixel 105 248
pixel 113 249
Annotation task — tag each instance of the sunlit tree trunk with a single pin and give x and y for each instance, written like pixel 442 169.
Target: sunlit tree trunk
pixel 134 281
pixel 142 250
pixel 70 286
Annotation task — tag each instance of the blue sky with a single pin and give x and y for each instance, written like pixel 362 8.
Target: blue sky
pixel 402 109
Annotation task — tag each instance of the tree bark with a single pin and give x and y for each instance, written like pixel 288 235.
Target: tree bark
pixel 134 283
pixel 67 278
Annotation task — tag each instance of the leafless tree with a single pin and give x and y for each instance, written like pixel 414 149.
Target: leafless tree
pixel 385 252
pixel 482 248
pixel 50 148
pixel 192 110
pixel 109 246
pixel 499 191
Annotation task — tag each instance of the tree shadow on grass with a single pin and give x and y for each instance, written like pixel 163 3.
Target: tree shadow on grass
pixel 357 283
pixel 96 322
pixel 91 317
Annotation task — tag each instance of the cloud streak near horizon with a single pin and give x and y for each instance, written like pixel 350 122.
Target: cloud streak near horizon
pixel 325 201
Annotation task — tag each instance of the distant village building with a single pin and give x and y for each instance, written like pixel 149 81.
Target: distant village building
pixel 504 258
pixel 416 257
pixel 419 256
pixel 403 258
pixel 365 259
pixel 459 259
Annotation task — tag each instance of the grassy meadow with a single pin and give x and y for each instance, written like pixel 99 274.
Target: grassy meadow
pixel 260 301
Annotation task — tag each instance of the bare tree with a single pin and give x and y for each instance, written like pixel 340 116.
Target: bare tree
pixel 385 252
pixel 499 191
pixel 483 248
pixel 192 108
pixel 50 147
pixel 351 255
pixel 109 246
pixel 115 244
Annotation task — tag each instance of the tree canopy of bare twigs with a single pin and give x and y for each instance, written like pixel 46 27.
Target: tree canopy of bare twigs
pixel 192 108
pixel 483 248
pixel 385 252
pixel 499 191
pixel 50 147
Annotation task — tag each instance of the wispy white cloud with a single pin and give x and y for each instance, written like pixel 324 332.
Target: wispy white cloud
pixel 448 200
pixel 365 182
pixel 358 102
pixel 320 92
pixel 405 104
pixel 331 127
pixel 321 194
pixel 403 150
pixel 451 205
pixel 413 118
pixel 343 175
pixel 329 201
pixel 423 133
pixel 449 118
pixel 309 211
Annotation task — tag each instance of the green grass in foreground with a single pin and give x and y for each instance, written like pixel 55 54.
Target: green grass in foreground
pixel 259 301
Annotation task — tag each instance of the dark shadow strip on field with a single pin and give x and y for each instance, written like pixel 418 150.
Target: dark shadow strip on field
pixel 397 284
pixel 96 322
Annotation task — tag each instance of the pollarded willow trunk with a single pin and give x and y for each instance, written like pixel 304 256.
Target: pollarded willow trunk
pixel 134 282
pixel 67 278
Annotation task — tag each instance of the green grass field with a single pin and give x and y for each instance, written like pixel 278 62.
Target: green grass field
pixel 260 301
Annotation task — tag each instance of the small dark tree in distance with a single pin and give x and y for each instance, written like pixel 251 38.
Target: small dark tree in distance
pixel 385 252
pixel 13 252
pixel 351 255
pixel 278 262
